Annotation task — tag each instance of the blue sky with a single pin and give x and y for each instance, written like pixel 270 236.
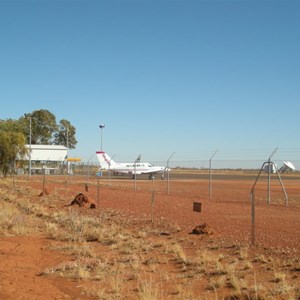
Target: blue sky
pixel 164 76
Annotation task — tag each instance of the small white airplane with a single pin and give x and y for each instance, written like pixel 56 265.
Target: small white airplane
pixel 133 168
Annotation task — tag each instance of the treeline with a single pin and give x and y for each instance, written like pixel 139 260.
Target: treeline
pixel 38 127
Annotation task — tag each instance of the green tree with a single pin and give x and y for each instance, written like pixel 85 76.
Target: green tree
pixel 44 130
pixel 65 135
pixel 12 146
pixel 42 124
pixel 11 125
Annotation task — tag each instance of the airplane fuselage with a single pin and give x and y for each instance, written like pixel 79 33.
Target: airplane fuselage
pixel 132 169
pixel 138 168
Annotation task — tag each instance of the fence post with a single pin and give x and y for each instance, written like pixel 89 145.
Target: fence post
pixel 269 175
pixel 252 199
pixel 152 200
pixel 44 178
pixel 210 183
pixel 168 172
pixel 98 191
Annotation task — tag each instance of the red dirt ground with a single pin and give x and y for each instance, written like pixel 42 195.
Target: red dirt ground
pixel 228 213
pixel 22 259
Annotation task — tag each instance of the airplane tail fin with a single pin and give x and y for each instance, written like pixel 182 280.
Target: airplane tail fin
pixel 104 160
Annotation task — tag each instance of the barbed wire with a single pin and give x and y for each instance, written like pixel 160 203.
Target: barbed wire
pixel 221 154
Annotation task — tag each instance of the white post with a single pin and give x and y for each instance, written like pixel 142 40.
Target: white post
pixel 210 183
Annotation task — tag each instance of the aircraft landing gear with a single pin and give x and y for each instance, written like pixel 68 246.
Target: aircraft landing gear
pixel 151 177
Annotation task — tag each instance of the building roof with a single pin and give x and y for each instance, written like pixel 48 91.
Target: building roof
pixel 48 152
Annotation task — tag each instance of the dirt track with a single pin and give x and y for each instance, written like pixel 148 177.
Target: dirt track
pixel 22 259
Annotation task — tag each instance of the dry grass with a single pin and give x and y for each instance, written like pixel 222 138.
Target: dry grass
pixel 148 289
pixel 13 221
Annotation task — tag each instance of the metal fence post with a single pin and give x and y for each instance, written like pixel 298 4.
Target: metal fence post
pixel 210 176
pixel 168 172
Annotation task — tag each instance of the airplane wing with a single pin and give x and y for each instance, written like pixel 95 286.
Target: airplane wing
pixel 148 172
pixel 127 171
pixel 155 170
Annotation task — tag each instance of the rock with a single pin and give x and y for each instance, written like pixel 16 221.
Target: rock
pixel 203 229
pixel 44 192
pixel 83 200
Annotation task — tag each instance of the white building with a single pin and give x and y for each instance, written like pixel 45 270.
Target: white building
pixel 47 153
pixel 48 157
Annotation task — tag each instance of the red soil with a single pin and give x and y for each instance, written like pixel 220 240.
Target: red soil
pixel 228 214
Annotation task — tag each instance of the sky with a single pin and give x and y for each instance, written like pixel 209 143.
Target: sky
pixel 164 76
